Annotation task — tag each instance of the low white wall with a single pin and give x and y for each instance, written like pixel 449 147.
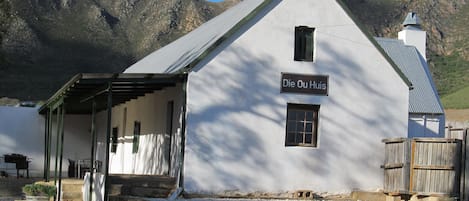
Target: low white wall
pixel 22 132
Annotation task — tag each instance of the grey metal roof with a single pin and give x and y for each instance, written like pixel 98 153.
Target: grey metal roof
pixel 185 50
pixel 424 97
pixel 411 19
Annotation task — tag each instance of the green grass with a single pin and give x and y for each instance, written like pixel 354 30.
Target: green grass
pixel 450 73
pixel 457 100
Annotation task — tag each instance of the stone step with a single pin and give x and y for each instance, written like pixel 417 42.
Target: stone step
pixel 72 190
pixel 72 187
pixel 126 198
pixel 115 189
pixel 153 181
pixel 146 192
pixel 72 195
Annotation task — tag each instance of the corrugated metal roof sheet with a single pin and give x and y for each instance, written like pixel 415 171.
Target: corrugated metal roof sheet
pixel 185 50
pixel 423 98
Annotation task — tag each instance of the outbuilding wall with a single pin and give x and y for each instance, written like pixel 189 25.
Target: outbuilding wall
pixel 426 125
pixel 22 131
pixel 236 115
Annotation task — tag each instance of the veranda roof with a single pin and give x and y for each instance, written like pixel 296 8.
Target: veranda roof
pixel 78 93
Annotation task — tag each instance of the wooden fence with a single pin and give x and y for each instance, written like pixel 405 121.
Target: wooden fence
pixel 424 166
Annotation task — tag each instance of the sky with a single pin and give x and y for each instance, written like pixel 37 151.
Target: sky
pixel 215 0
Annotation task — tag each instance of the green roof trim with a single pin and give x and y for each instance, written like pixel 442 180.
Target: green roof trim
pixel 375 43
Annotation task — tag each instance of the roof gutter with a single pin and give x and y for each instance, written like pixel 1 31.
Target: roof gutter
pixel 60 93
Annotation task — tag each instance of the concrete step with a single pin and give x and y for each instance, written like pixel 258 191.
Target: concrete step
pixel 72 187
pixel 72 195
pixel 146 192
pixel 72 190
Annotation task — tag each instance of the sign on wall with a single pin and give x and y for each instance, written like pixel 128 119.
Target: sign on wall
pixel 306 84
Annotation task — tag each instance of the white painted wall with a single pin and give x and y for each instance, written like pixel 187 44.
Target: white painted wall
pixel 22 131
pixel 236 114
pixel 150 110
pixel 426 125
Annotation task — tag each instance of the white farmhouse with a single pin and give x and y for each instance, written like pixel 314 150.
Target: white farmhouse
pixel 271 96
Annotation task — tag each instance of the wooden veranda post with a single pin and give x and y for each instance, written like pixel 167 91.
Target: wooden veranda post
pixel 108 140
pixel 93 143
pixel 62 134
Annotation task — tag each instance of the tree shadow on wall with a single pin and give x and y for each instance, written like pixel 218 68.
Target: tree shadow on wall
pixel 227 137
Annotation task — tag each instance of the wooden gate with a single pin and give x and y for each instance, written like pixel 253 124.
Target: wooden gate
pixel 396 165
pixel 424 166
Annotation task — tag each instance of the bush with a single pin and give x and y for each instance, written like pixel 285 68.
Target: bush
pixel 39 190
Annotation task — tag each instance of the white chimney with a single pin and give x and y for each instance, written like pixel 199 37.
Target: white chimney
pixel 413 35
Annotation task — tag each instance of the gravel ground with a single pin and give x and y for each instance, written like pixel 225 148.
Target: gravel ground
pixel 10 187
pixel 10 198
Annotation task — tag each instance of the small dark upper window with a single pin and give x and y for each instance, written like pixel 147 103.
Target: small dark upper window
pixel 302 125
pixel 304 43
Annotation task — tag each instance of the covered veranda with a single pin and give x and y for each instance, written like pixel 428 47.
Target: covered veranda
pixel 90 94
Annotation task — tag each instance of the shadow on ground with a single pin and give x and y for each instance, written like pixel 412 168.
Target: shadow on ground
pixel 10 187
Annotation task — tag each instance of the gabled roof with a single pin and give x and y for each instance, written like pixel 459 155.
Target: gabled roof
pixel 181 53
pixel 424 97
pixel 185 52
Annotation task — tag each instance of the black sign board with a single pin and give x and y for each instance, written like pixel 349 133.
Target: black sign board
pixel 306 84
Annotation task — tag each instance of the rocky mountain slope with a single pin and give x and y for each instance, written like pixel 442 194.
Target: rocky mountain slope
pixel 446 25
pixel 45 42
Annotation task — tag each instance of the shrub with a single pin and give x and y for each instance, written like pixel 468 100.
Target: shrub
pixel 39 190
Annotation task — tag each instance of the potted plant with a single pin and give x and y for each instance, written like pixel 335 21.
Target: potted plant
pixel 39 191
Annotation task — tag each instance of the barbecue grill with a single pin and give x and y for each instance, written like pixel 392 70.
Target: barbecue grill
pixel 21 161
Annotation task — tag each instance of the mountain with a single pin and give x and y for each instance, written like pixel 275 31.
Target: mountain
pixel 45 42
pixel 447 30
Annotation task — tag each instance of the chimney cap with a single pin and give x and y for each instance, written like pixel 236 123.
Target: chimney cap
pixel 412 19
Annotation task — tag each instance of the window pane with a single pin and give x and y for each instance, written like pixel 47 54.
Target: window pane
pixel 299 138
pixel 291 115
pixel 309 127
pixel 308 138
pixel 309 46
pixel 300 126
pixel 309 116
pixel 300 115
